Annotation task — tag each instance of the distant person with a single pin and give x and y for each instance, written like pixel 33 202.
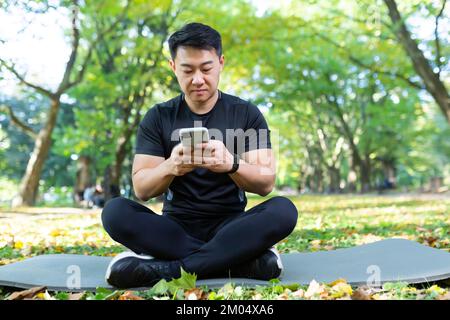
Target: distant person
pixel 386 185
pixel 78 196
pixel 88 196
pixel 98 197
pixel 204 227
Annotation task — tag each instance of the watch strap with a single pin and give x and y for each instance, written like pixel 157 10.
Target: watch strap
pixel 235 164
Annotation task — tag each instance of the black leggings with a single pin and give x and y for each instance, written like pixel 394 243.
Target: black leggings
pixel 204 245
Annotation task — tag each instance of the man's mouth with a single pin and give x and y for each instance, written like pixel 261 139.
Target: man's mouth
pixel 199 93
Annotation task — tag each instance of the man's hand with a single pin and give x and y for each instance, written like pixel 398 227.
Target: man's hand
pixel 212 155
pixel 216 156
pixel 181 160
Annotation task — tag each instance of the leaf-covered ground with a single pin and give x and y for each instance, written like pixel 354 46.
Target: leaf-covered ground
pixel 325 223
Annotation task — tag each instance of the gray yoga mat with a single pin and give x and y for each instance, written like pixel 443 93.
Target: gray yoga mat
pixel 373 264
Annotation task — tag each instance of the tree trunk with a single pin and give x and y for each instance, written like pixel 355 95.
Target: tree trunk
pixel 110 189
pixel 121 152
pixel 431 80
pixel 335 177
pixel 389 171
pixel 317 180
pixel 365 171
pixel 112 186
pixel 30 182
pixel 111 182
pixel 352 176
pixel 309 185
pixel 301 184
pixel 436 183
pixel 83 179
pixel 355 157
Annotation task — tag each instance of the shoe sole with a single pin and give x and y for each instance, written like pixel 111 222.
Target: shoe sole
pixel 279 262
pixel 121 256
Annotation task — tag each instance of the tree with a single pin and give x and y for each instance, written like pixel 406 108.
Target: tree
pixel 73 75
pixel 328 98
pixel 431 80
pixel 128 68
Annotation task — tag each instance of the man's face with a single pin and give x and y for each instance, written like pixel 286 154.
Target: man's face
pixel 198 72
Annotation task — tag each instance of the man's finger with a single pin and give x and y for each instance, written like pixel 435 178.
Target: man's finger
pixel 211 160
pixel 186 150
pixel 197 159
pixel 200 146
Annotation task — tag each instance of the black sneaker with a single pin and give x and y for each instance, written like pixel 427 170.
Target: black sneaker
pixel 265 267
pixel 130 270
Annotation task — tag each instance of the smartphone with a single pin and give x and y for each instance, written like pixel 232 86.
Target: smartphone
pixel 189 137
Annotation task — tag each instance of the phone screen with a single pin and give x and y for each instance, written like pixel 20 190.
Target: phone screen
pixel 190 137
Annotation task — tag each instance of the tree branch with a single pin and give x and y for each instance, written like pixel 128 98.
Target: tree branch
pixel 74 51
pixel 23 81
pixel 436 38
pixel 433 84
pixel 92 45
pixel 354 19
pixel 17 122
pixel 366 66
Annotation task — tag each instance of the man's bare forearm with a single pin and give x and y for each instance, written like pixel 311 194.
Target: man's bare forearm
pixel 151 182
pixel 254 178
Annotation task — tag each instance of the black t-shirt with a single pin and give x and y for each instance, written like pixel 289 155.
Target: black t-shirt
pixel 237 123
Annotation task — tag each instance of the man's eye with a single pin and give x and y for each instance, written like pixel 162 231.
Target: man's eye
pixel 187 71
pixel 206 70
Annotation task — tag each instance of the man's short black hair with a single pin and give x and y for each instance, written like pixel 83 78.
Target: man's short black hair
pixel 195 35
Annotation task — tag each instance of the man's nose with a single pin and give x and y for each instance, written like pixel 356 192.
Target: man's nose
pixel 198 79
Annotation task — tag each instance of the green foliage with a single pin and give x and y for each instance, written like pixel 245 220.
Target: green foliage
pixel 331 76
pixel 103 294
pixel 62 296
pixel 175 287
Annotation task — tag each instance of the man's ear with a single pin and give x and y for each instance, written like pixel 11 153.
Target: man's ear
pixel 222 62
pixel 172 65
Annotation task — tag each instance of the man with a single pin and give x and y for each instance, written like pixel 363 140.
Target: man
pixel 204 227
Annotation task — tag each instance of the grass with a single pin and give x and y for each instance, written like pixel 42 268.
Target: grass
pixel 324 223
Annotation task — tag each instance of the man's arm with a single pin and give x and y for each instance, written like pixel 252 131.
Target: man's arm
pixel 151 176
pixel 257 172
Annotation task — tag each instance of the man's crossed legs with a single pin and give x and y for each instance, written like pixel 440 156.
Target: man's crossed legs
pixel 208 247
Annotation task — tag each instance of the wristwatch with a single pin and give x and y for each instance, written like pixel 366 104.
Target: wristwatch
pixel 235 164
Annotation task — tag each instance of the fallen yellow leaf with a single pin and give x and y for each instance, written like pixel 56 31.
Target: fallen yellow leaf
pixel 18 245
pixel 55 233
pixel 335 282
pixel 436 289
pixel 41 296
pixel 341 289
